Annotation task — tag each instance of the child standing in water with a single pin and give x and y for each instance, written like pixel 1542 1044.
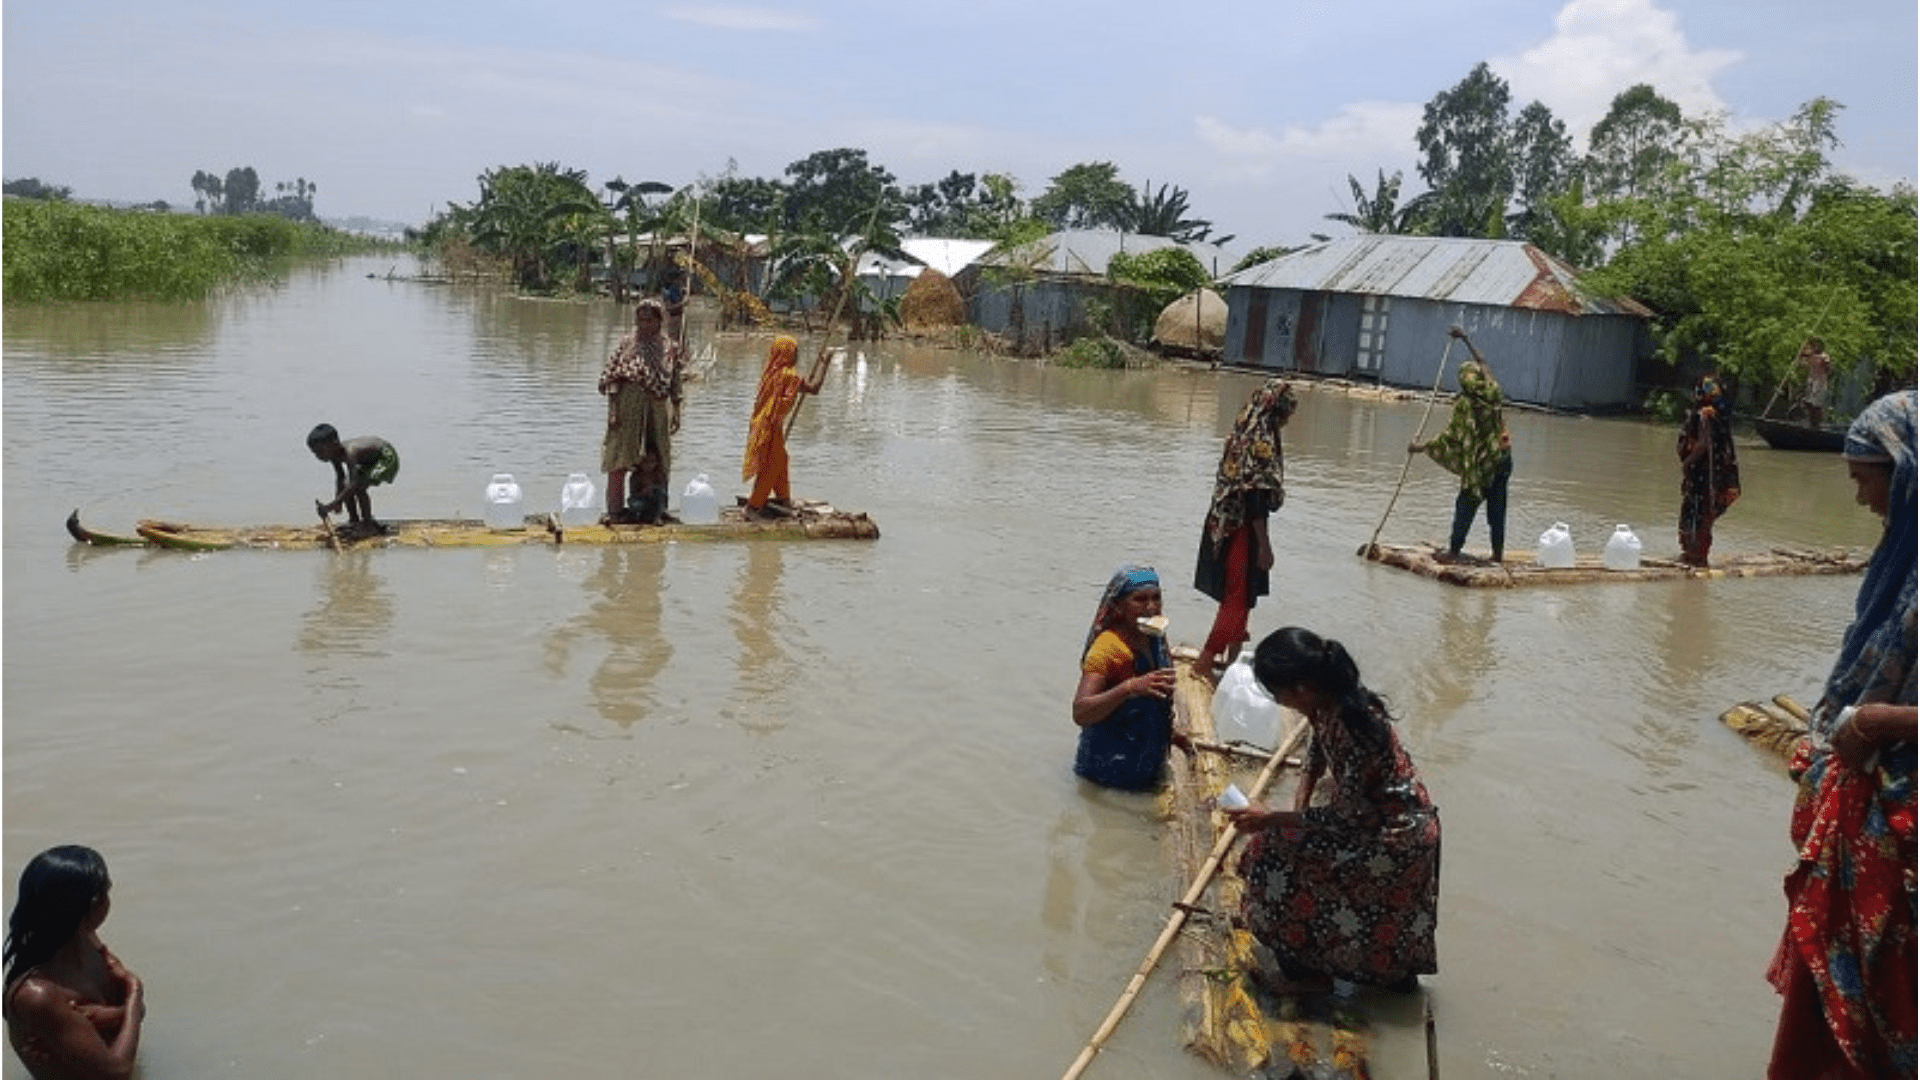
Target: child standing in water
pixel 1124 703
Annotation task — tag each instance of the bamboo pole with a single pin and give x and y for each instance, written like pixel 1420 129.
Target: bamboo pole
pixel 333 540
pixel 1180 911
pixel 1432 397
pixel 1788 374
pixel 825 356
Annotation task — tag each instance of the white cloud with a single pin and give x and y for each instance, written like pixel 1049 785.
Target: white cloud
pixel 1359 132
pixel 742 18
pixel 1599 48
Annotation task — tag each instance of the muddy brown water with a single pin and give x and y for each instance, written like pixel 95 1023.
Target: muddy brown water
pixel 805 808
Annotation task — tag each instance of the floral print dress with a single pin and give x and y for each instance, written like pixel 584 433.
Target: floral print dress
pixel 1357 896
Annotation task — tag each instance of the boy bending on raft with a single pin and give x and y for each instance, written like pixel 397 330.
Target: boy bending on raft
pixel 358 464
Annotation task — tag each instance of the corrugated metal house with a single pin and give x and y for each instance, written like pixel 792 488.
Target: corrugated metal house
pixel 1378 307
pixel 1037 295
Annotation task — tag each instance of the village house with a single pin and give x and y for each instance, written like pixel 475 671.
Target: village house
pixel 1379 307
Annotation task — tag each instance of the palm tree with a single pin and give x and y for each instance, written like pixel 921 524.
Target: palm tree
pixel 1379 214
pixel 1158 213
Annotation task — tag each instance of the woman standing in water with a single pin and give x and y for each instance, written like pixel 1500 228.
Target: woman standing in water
pixel 1124 701
pixel 72 1008
pixel 1845 966
pixel 1709 474
pixel 1350 888
pixel 1249 486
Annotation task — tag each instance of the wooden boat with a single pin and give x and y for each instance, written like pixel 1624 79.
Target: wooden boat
pixel 1786 435
pixel 807 521
pixel 1516 571
pixel 1226 1016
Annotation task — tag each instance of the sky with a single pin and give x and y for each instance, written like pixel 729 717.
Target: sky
pixel 1259 110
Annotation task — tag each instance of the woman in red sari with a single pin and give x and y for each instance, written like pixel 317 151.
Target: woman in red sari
pixel 1846 960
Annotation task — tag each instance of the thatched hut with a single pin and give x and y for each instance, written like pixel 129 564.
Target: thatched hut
pixel 931 303
pixel 1194 325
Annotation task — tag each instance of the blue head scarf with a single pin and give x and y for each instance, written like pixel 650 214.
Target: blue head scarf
pixel 1127 579
pixel 1876 662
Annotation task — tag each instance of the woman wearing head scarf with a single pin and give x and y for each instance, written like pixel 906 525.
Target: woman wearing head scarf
pixel 1235 552
pixel 765 462
pixel 72 1008
pixel 1124 702
pixel 1477 448
pixel 1709 475
pixel 1846 960
pixel 642 382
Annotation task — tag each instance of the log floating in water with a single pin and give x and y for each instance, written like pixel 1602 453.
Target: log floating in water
pixel 1517 571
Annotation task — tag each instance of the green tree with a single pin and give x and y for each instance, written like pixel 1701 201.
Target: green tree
pixel 207 191
pixel 1149 282
pixel 1466 149
pixel 1544 166
pixel 31 187
pixel 242 189
pixel 1160 213
pixel 1379 213
pixel 532 216
pixel 1750 243
pixel 1086 196
pixel 1631 146
pixel 744 204
pixel 836 191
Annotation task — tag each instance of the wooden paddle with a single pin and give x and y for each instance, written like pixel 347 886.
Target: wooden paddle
pixel 1373 544
pixel 1182 908
pixel 847 281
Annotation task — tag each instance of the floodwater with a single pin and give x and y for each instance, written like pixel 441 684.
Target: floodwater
pixel 805 809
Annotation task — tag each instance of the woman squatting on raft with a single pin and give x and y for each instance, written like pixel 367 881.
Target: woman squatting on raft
pixel 765 461
pixel 1124 702
pixel 1845 965
pixel 1349 888
pixel 72 1008
pixel 1235 553
pixel 1709 473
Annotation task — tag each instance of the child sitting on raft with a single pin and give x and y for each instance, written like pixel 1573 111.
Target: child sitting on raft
pixel 1124 703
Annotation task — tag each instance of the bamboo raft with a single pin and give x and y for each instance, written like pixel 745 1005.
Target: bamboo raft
pixel 1226 1017
pixel 808 521
pixel 1521 570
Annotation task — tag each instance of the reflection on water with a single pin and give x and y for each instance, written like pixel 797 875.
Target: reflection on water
pixel 620 620
pixel 355 612
pixel 766 668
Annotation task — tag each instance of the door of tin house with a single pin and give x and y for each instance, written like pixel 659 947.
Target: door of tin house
pixel 1372 348
pixel 1306 332
pixel 1256 343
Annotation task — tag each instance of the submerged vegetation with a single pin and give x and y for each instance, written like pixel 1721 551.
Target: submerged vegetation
pixel 62 250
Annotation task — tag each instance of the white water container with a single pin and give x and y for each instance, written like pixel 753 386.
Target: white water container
pixel 503 503
pixel 1622 551
pixel 1556 547
pixel 1242 710
pixel 698 504
pixel 576 501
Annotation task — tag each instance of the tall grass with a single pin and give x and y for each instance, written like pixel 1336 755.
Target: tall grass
pixel 55 250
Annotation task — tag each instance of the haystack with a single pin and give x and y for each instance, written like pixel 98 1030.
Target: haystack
pixel 1180 329
pixel 932 303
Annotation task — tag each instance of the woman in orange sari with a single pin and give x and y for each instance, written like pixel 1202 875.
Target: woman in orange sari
pixel 765 462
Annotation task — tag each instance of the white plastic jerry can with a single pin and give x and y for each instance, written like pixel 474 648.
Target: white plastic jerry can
pixel 1556 547
pixel 1622 551
pixel 503 503
pixel 576 501
pixel 698 504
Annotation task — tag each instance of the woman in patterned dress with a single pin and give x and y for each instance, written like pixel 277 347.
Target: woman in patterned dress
pixel 1236 555
pixel 1846 961
pixel 1348 886
pixel 1709 473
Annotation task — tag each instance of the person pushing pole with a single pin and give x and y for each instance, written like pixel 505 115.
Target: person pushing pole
pixel 1477 448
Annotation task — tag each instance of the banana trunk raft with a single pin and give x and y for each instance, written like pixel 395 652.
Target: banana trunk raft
pixel 1226 1017
pixel 805 521
pixel 1516 571
pixel 1775 727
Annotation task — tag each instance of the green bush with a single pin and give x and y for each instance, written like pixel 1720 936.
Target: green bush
pixel 73 251
pixel 1091 352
